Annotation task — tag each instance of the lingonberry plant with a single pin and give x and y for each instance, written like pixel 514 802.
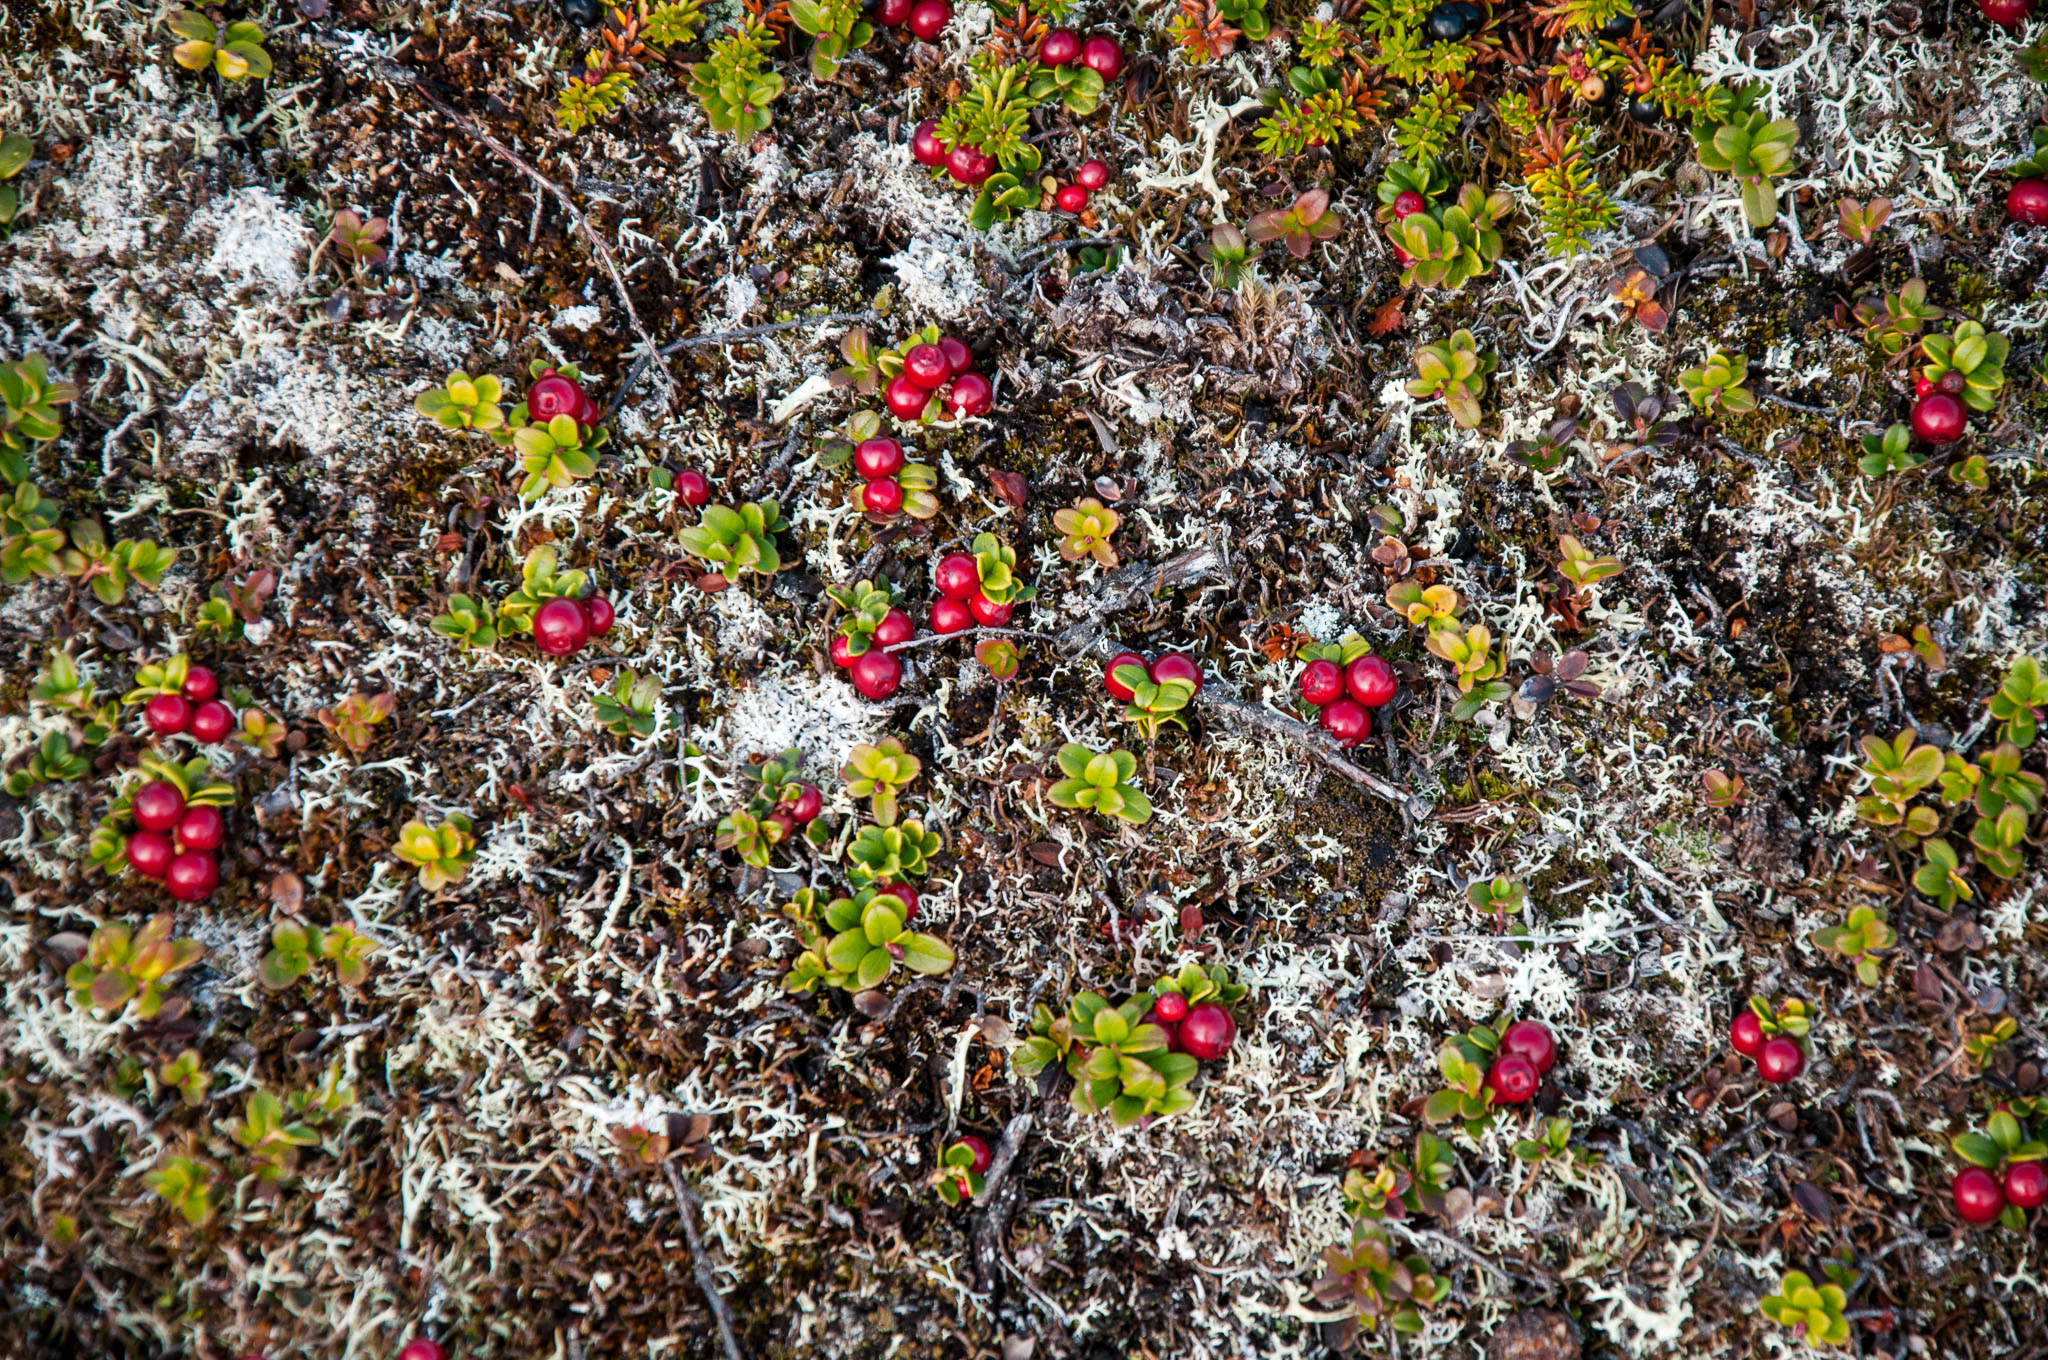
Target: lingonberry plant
pixel 1374 1286
pixel 1158 693
pixel 868 936
pixel 878 773
pixel 1299 226
pixel 1858 940
pixel 735 542
pixel 1120 1064
pixel 1100 783
pixel 959 1177
pixel 1718 384
pixel 124 968
pixel 442 854
pixel 1482 1071
pixel 1085 531
pixel 890 854
pixel 2004 1177
pixel 1814 1313
pixel 1775 1038
pixel 1455 370
pixel 769 815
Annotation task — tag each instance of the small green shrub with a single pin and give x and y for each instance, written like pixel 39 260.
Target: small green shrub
pixel 1100 783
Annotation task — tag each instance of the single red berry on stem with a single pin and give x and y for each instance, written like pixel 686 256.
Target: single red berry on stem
pixel 693 488
pixel 927 366
pixel 1092 175
pixel 1746 1033
pixel 599 614
pixel 950 616
pixel 201 828
pixel 980 1149
pixel 1921 387
pixel 1976 1195
pixel 559 627
pixel 970 395
pixel 842 655
pixel 959 358
pixel 1207 1032
pixel 905 399
pixel 1172 1007
pixel 957 576
pixel 192 876
pixel 928 18
pixel 168 714
pixel 967 165
pixel 1102 56
pixel 149 853
pixel 895 627
pixel 875 673
pixel 1512 1079
pixel 1939 418
pixel 2006 13
pixel 807 804
pixel 1347 721
pixel 1780 1060
pixel 925 146
pixel 1321 682
pixel 2027 202
pixel 903 893
pixel 882 497
pixel 1177 666
pixel 1531 1039
pixel 1407 203
pixel 893 13
pixel 2026 1184
pixel 211 722
pixel 422 1348
pixel 1118 690
pixel 880 457
pixel 200 685
pixel 987 612
pixel 1071 198
pixel 1060 48
pixel 1371 681
pixel 553 395
pixel 157 805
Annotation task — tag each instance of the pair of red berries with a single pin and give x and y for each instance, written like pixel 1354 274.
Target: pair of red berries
pixel 1091 176
pixel 945 368
pixel 799 805
pixel 876 672
pixel 927 18
pixel 564 626
pixel 1206 1031
pixel 2027 202
pixel 1779 1058
pixel 176 843
pixel 193 711
pixel 968 165
pixel 961 603
pixel 553 395
pixel 1172 666
pixel 1527 1051
pixel 1100 54
pixel 1980 1197
pixel 1938 416
pixel 1347 694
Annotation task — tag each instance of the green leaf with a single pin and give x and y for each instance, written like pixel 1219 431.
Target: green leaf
pixel 1976 1149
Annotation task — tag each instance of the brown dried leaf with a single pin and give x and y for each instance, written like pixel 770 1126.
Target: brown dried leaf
pixel 1814 1201
pixel 288 893
pixel 1010 486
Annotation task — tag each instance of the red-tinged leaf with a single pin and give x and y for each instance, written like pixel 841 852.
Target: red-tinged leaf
pixel 1386 318
pixel 1927 983
pixel 1191 920
pixel 1010 486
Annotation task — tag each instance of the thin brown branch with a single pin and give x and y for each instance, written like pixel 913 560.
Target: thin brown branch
pixel 700 1262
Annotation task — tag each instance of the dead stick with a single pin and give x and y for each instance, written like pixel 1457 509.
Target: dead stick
pixel 998 1201
pixel 1244 714
pixel 700 1265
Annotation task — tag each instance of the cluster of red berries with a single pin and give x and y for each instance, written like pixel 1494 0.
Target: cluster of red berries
pixel 1172 666
pixel 564 626
pixel 961 603
pixel 193 710
pixel 1346 695
pixel 878 460
pixel 552 394
pixel 875 672
pixel 1779 1057
pixel 944 370
pixel 1938 414
pixel 1980 1197
pixel 1205 1032
pixel 1098 53
pixel 176 843
pixel 1073 197
pixel 927 19
pixel 1527 1051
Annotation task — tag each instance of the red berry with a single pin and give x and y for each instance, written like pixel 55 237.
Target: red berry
pixel 1371 681
pixel 903 893
pixel 950 616
pixel 1921 387
pixel 1118 689
pixel 1207 1032
pixel 875 673
pixel 420 1348
pixel 192 876
pixel 1977 1196
pixel 1092 175
pixel 1951 383
pixel 2006 13
pixel 1177 666
pixel 1512 1079
pixel 2026 1184
pixel 693 488
pixel 987 612
pixel 201 828
pixel 149 853
pixel 873 458
pixel 1102 56
pixel 1071 198
pixel 1321 682
pixel 957 576
pixel 905 399
pixel 927 366
pixel 1746 1033
pixel 895 627
pixel 1172 1007
pixel 841 656
pixel 970 395
pixel 785 821
pixel 2027 202
pixel 1407 203
pixel 1060 48
pixel 925 146
pixel 586 413
pixel 559 627
pixel 168 714
pixel 893 13
pixel 968 165
pixel 211 722
pixel 1939 418
pixel 1347 721
pixel 157 805
pixel 959 358
pixel 200 685
pixel 598 611
pixel 981 1152
pixel 1780 1060
pixel 807 804
pixel 1531 1039
pixel 882 497
pixel 553 395
pixel 928 18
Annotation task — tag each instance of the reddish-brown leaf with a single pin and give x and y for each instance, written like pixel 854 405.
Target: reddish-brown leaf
pixel 1386 318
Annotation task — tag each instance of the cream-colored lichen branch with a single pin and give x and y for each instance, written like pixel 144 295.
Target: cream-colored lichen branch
pixel 1212 119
